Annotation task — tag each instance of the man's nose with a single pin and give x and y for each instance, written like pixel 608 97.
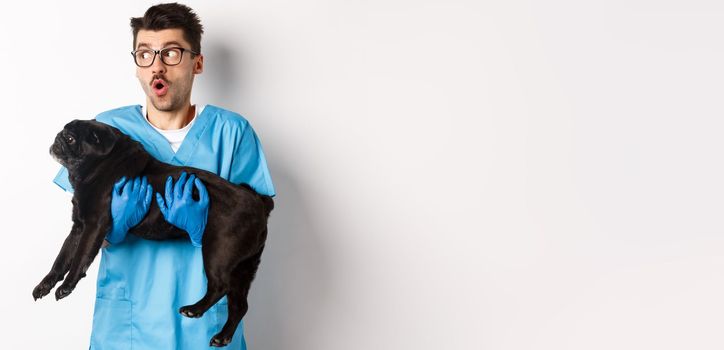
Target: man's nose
pixel 158 67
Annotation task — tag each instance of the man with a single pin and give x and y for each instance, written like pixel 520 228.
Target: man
pixel 142 283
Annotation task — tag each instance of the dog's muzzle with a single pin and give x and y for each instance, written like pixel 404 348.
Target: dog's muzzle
pixel 57 150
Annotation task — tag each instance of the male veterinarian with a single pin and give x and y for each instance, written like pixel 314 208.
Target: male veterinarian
pixel 143 283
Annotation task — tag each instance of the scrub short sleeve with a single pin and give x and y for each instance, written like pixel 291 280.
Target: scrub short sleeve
pixel 61 179
pixel 249 164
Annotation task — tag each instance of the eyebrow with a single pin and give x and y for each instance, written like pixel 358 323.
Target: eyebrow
pixel 164 44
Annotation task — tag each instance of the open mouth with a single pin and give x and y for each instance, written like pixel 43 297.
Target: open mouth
pixel 159 86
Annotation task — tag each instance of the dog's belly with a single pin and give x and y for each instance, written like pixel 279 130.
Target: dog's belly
pixel 155 227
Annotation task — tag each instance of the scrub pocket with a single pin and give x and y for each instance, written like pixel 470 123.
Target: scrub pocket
pixel 111 325
pixel 222 313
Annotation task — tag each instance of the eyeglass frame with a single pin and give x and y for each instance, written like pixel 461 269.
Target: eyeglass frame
pixel 158 53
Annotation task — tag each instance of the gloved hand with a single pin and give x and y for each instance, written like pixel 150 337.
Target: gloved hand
pixel 181 210
pixel 129 205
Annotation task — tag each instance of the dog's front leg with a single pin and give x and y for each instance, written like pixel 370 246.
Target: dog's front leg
pixel 61 264
pixel 90 243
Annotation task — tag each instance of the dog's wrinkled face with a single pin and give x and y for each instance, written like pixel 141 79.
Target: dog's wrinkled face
pixel 81 141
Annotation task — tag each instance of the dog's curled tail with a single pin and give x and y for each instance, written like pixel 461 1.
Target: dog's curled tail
pixel 268 203
pixel 267 200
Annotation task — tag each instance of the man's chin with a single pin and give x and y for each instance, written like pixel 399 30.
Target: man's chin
pixel 164 106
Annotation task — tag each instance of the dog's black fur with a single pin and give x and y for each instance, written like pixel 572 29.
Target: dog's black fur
pixel 96 156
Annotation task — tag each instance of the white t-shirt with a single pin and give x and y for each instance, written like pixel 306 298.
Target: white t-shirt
pixel 175 136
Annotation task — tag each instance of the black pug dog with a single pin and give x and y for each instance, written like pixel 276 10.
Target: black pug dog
pixel 96 156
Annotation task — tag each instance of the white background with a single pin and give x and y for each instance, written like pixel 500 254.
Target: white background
pixel 450 174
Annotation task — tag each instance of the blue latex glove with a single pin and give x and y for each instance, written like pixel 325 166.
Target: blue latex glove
pixel 181 210
pixel 129 205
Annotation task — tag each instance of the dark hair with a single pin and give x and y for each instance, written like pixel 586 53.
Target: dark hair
pixel 170 16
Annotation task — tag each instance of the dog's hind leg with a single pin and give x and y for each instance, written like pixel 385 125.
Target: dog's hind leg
pixel 61 264
pixel 218 259
pixel 241 279
pixel 218 282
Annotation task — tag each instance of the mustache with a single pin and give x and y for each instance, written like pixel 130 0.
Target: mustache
pixel 158 76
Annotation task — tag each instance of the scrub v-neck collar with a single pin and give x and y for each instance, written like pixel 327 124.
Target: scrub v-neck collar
pixel 163 147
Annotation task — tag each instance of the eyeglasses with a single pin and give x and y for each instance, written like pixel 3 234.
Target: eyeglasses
pixel 170 56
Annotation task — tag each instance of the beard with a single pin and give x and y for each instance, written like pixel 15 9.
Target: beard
pixel 174 99
pixel 168 102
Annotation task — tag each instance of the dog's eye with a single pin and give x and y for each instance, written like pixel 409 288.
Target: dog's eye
pixel 70 140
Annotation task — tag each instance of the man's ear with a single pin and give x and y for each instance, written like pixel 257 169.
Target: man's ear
pixel 199 65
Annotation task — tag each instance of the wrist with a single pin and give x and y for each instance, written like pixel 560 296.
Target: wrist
pixel 116 234
pixel 195 236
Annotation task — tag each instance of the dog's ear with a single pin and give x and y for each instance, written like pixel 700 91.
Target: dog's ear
pixel 95 138
pixel 102 137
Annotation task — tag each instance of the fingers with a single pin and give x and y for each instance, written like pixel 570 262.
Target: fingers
pixel 178 188
pixel 161 205
pixel 119 185
pixel 183 188
pixel 188 188
pixel 127 188
pixel 143 189
pixel 147 199
pixel 137 189
pixel 136 184
pixel 169 190
pixel 143 185
pixel 203 194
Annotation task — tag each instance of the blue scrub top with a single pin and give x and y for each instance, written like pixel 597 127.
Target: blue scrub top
pixel 143 283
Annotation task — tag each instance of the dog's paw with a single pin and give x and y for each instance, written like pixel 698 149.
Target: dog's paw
pixel 62 292
pixel 41 290
pixel 219 341
pixel 190 311
pixel 44 287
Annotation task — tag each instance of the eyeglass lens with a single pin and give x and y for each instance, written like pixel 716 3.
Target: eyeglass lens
pixel 170 56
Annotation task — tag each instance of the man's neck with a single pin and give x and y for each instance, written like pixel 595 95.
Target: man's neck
pixel 170 120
